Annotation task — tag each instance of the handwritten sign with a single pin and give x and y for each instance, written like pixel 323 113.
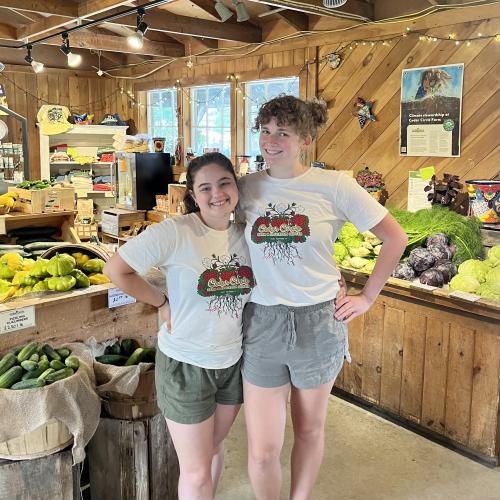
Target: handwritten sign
pixel 422 286
pixel 17 319
pixel 117 298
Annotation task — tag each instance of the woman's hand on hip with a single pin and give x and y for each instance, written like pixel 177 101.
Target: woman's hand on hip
pixel 342 290
pixel 351 306
pixel 165 315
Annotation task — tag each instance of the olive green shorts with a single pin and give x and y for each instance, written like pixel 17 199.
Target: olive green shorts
pixel 188 394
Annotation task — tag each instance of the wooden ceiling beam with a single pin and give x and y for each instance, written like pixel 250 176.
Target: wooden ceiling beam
pixel 171 23
pixel 195 45
pixel 297 20
pixel 206 5
pixel 159 20
pixel 109 43
pixel 93 7
pixel 53 7
pixel 7 32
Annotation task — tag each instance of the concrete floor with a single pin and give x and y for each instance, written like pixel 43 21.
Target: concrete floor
pixel 367 457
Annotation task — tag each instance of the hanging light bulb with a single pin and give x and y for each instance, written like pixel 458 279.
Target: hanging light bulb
pixel 37 66
pixel 73 59
pixel 2 66
pixel 136 40
pixel 100 72
pixel 224 12
pixel 241 11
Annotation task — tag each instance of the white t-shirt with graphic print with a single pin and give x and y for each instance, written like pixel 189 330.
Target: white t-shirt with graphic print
pixel 291 227
pixel 209 280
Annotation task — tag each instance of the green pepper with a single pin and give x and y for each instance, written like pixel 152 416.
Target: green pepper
pixel 61 283
pixel 23 290
pixel 93 266
pixel 41 286
pixel 61 265
pixel 39 270
pixel 82 281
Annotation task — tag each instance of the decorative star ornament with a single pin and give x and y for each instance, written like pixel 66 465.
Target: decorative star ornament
pixel 363 110
pixel 334 60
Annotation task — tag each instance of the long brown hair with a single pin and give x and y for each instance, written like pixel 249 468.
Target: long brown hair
pixel 194 167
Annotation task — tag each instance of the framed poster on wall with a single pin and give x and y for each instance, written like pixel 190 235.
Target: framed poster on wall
pixel 431 107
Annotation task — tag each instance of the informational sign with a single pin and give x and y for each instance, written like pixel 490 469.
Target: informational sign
pixel 117 298
pixel 431 107
pixel 417 181
pixel 471 297
pixel 17 319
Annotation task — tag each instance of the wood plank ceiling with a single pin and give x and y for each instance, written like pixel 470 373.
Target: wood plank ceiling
pixel 177 28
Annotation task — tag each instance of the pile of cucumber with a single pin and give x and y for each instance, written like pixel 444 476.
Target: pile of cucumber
pixel 31 366
pixel 128 352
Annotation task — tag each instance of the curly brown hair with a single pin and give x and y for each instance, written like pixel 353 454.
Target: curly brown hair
pixel 305 116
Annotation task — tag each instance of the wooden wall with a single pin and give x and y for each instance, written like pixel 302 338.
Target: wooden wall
pixel 80 92
pixel 374 73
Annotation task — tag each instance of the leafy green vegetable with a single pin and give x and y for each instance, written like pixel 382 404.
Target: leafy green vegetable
pixel 494 253
pixel 347 231
pixel 475 268
pixel 464 232
pixel 489 291
pixel 493 276
pixel 464 283
pixel 339 252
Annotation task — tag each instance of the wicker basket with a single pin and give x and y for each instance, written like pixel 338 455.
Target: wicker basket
pixel 4 209
pixel 49 438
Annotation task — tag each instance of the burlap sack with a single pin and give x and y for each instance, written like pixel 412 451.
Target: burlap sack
pixel 72 401
pixel 121 379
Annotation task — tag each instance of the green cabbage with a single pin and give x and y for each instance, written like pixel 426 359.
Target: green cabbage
pixel 339 252
pixel 493 276
pixel 358 262
pixel 347 231
pixel 351 243
pixel 489 291
pixel 475 268
pixel 359 252
pixel 369 267
pixel 464 283
pixel 494 253
pixel 491 263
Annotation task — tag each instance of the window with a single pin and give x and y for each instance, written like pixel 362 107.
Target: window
pixel 162 116
pixel 257 93
pixel 211 119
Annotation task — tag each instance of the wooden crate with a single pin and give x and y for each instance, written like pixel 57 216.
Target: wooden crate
pixel 86 231
pixel 38 201
pixel 133 459
pixel 175 197
pixel 115 221
pixel 51 477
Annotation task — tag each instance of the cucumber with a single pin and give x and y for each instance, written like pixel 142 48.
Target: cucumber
pixel 59 375
pixel 43 358
pixel 40 245
pixel 8 361
pixel 128 346
pixel 112 359
pixel 57 365
pixel 10 377
pixel 11 247
pixel 27 351
pixel 35 357
pixel 64 352
pixel 72 362
pixel 136 357
pixel 29 366
pixel 28 384
pixel 113 349
pixel 47 349
pixel 42 366
pixel 149 355
pixel 46 373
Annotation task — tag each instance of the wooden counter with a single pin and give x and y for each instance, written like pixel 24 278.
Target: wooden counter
pixel 78 315
pixel 430 360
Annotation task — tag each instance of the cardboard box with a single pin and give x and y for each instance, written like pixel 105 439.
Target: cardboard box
pixel 38 201
pixel 115 221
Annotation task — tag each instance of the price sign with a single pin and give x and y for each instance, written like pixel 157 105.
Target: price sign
pixel 422 286
pixel 471 297
pixel 117 298
pixel 17 319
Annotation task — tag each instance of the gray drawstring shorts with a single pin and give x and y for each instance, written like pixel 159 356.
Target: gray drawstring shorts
pixel 305 346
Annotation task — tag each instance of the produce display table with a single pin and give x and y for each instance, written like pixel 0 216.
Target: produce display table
pixel 430 360
pixel 78 315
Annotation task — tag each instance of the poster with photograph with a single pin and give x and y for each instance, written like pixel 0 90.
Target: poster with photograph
pixel 431 106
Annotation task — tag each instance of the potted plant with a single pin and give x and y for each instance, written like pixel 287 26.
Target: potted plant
pixel 372 182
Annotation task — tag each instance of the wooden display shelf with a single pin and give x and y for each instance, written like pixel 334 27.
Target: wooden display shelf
pixel 62 220
pixel 430 360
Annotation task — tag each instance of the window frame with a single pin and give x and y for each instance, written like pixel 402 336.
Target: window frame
pixel 175 126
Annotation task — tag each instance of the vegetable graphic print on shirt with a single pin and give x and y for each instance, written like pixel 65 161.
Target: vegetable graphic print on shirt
pixel 224 281
pixel 279 230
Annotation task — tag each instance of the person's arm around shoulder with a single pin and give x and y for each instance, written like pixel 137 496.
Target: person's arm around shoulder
pixel 394 243
pixel 125 278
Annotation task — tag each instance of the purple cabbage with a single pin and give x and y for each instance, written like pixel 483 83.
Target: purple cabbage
pixel 432 277
pixel 421 259
pixel 404 271
pixel 447 268
pixel 437 239
pixel 440 252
